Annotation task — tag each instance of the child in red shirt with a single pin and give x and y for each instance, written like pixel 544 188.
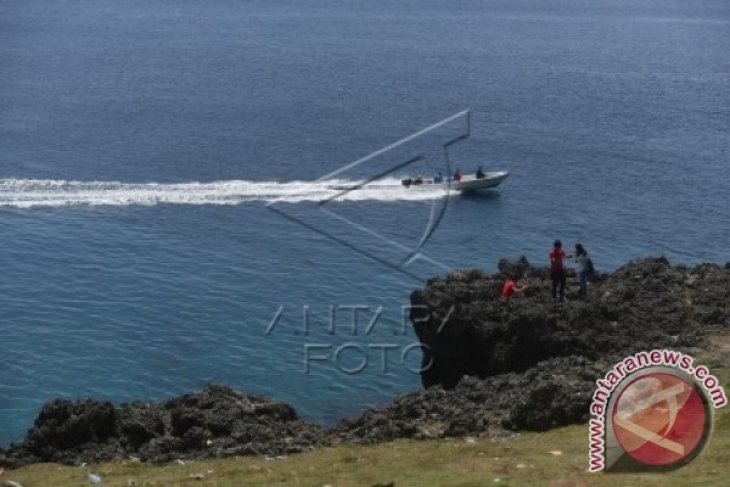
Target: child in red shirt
pixel 510 287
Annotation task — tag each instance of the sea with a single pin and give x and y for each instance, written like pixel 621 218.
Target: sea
pixel 209 192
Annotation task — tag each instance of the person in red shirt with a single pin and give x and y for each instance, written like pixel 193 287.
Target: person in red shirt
pixel 510 287
pixel 457 175
pixel 557 271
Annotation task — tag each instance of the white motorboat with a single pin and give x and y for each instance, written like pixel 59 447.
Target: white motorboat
pixel 467 183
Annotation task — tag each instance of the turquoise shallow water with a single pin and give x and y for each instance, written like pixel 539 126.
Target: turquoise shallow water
pixel 613 120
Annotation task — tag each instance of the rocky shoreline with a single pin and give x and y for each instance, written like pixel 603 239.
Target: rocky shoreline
pixel 495 368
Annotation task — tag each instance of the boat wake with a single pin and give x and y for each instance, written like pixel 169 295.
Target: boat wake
pixel 35 193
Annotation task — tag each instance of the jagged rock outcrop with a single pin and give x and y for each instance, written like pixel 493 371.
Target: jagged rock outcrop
pixel 532 364
pixel 643 305
pixel 553 393
pixel 217 421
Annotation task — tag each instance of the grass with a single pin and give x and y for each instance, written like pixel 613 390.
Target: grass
pixel 528 459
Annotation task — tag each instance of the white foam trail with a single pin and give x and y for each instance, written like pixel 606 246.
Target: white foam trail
pixel 35 193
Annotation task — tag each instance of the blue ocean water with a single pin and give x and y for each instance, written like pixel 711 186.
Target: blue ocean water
pixel 141 142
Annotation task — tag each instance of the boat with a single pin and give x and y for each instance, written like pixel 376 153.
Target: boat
pixel 467 183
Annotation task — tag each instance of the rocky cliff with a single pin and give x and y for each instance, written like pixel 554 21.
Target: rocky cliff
pixel 492 368
pixel 643 305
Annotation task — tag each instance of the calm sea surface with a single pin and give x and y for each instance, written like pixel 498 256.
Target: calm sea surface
pixel 141 142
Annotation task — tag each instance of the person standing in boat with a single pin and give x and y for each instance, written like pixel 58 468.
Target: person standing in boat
pixel 557 270
pixel 480 173
pixel 457 175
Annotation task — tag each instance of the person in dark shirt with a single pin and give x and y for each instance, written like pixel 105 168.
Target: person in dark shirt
pixel 582 260
pixel 480 173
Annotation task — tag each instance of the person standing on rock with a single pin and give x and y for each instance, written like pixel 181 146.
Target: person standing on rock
pixel 582 260
pixel 510 287
pixel 557 270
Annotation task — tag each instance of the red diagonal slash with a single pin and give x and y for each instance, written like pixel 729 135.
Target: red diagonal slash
pixel 669 394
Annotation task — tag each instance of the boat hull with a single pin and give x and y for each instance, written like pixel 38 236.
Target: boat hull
pixel 471 183
pixel 467 184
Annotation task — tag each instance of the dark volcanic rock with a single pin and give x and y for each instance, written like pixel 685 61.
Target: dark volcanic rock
pixel 645 304
pixel 553 393
pixel 217 421
pixel 65 430
pixel 139 422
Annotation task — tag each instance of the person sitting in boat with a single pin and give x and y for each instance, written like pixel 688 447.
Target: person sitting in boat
pixel 439 178
pixel 480 173
pixel 418 180
pixel 457 175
